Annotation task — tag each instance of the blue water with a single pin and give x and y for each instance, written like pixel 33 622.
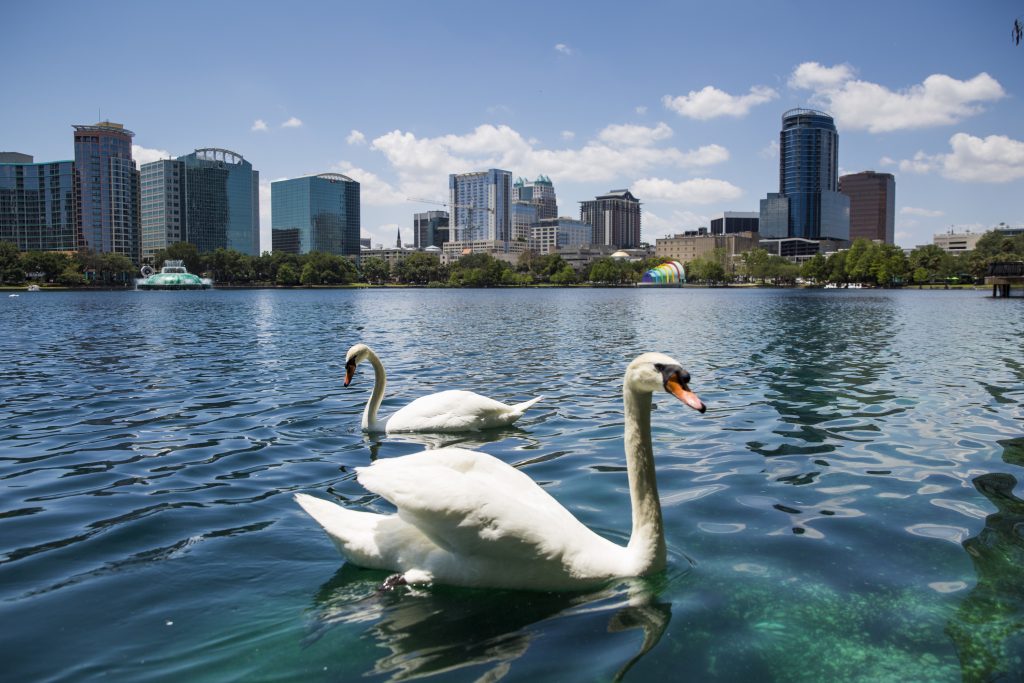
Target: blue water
pixel 848 509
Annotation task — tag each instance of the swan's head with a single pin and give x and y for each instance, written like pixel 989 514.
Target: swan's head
pixel 355 355
pixel 652 372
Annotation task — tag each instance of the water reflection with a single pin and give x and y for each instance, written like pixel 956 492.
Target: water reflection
pixel 988 627
pixel 440 629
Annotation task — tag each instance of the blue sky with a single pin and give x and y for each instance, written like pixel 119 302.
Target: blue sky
pixel 679 101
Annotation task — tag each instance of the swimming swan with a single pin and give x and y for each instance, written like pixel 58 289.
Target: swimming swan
pixel 467 518
pixel 445 411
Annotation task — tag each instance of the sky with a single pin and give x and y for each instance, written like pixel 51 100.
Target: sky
pixel 681 102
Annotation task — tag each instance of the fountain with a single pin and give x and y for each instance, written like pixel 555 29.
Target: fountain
pixel 173 275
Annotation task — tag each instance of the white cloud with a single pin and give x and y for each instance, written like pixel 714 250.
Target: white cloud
pixel 680 221
pixel 568 135
pixel 887 161
pixel 914 211
pixel 423 164
pixel 143 155
pixel 373 190
pixel 860 105
pixel 994 159
pixel 693 191
pixel 815 76
pixel 771 150
pixel 293 122
pixel 627 135
pixel 711 102
pixel 259 125
pixel 356 138
pixel 563 48
pixel 641 110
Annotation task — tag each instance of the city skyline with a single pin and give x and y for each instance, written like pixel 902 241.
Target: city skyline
pixel 928 93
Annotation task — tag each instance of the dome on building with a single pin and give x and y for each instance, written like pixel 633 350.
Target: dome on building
pixel 620 255
pixel 433 249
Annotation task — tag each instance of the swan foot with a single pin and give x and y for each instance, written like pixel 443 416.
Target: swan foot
pixel 392 582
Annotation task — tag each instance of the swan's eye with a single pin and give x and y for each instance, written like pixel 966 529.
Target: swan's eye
pixel 659 367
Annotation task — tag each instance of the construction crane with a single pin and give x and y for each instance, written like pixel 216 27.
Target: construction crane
pixel 468 207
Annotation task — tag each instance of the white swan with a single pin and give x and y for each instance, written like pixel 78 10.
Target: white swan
pixel 469 519
pixel 445 411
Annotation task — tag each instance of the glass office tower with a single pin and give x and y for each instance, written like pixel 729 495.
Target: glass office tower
pixel 37 204
pixel 221 195
pixel 540 192
pixel 316 213
pixel 430 229
pixel 107 188
pixel 872 205
pixel 615 218
pixel 163 207
pixel 480 205
pixel 809 175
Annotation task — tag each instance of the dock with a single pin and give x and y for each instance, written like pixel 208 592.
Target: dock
pixel 1003 276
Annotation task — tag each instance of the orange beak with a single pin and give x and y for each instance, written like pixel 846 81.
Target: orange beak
pixel 350 369
pixel 685 395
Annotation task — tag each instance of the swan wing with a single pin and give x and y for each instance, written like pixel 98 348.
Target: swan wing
pixel 474 505
pixel 454 411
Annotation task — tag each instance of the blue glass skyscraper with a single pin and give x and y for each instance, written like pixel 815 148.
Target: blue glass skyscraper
pixel 37 204
pixel 809 176
pixel 316 213
pixel 221 201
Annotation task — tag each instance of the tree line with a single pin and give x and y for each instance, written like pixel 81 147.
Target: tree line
pixel 865 262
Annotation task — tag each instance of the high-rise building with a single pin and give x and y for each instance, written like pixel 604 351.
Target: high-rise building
pixel 107 190
pixel 552 234
pixel 163 206
pixel 524 217
pixel 316 213
pixel 480 204
pixel 540 193
pixel 209 198
pixel 872 205
pixel 37 203
pixel 430 229
pixel 735 221
pixel 615 218
pixel 809 177
pixel 221 201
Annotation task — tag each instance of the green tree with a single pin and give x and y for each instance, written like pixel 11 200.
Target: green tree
pixel 936 263
pixel 420 268
pixel 815 269
pixel 565 276
pixel 180 251
pixel 287 275
pixel 50 263
pixel 755 264
pixel 309 276
pixel 376 270
pixel 11 269
pixel 71 276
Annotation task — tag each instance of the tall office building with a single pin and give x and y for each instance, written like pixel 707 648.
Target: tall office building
pixel 872 205
pixel 163 212
pixel 37 203
pixel 480 205
pixel 222 196
pixel 615 218
pixel 540 193
pixel 551 234
pixel 209 198
pixel 107 190
pixel 430 229
pixel 316 213
pixel 524 217
pixel 808 199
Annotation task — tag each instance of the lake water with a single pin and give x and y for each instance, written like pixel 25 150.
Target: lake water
pixel 849 507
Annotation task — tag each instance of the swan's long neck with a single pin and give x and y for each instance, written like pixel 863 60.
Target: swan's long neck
pixel 647 542
pixel 380 381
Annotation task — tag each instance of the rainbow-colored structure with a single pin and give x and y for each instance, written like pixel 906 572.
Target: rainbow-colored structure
pixel 670 274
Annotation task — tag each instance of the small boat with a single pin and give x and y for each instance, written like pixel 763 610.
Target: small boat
pixel 33 288
pixel 172 276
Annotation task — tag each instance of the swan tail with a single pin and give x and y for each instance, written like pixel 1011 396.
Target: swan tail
pixel 351 531
pixel 519 408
